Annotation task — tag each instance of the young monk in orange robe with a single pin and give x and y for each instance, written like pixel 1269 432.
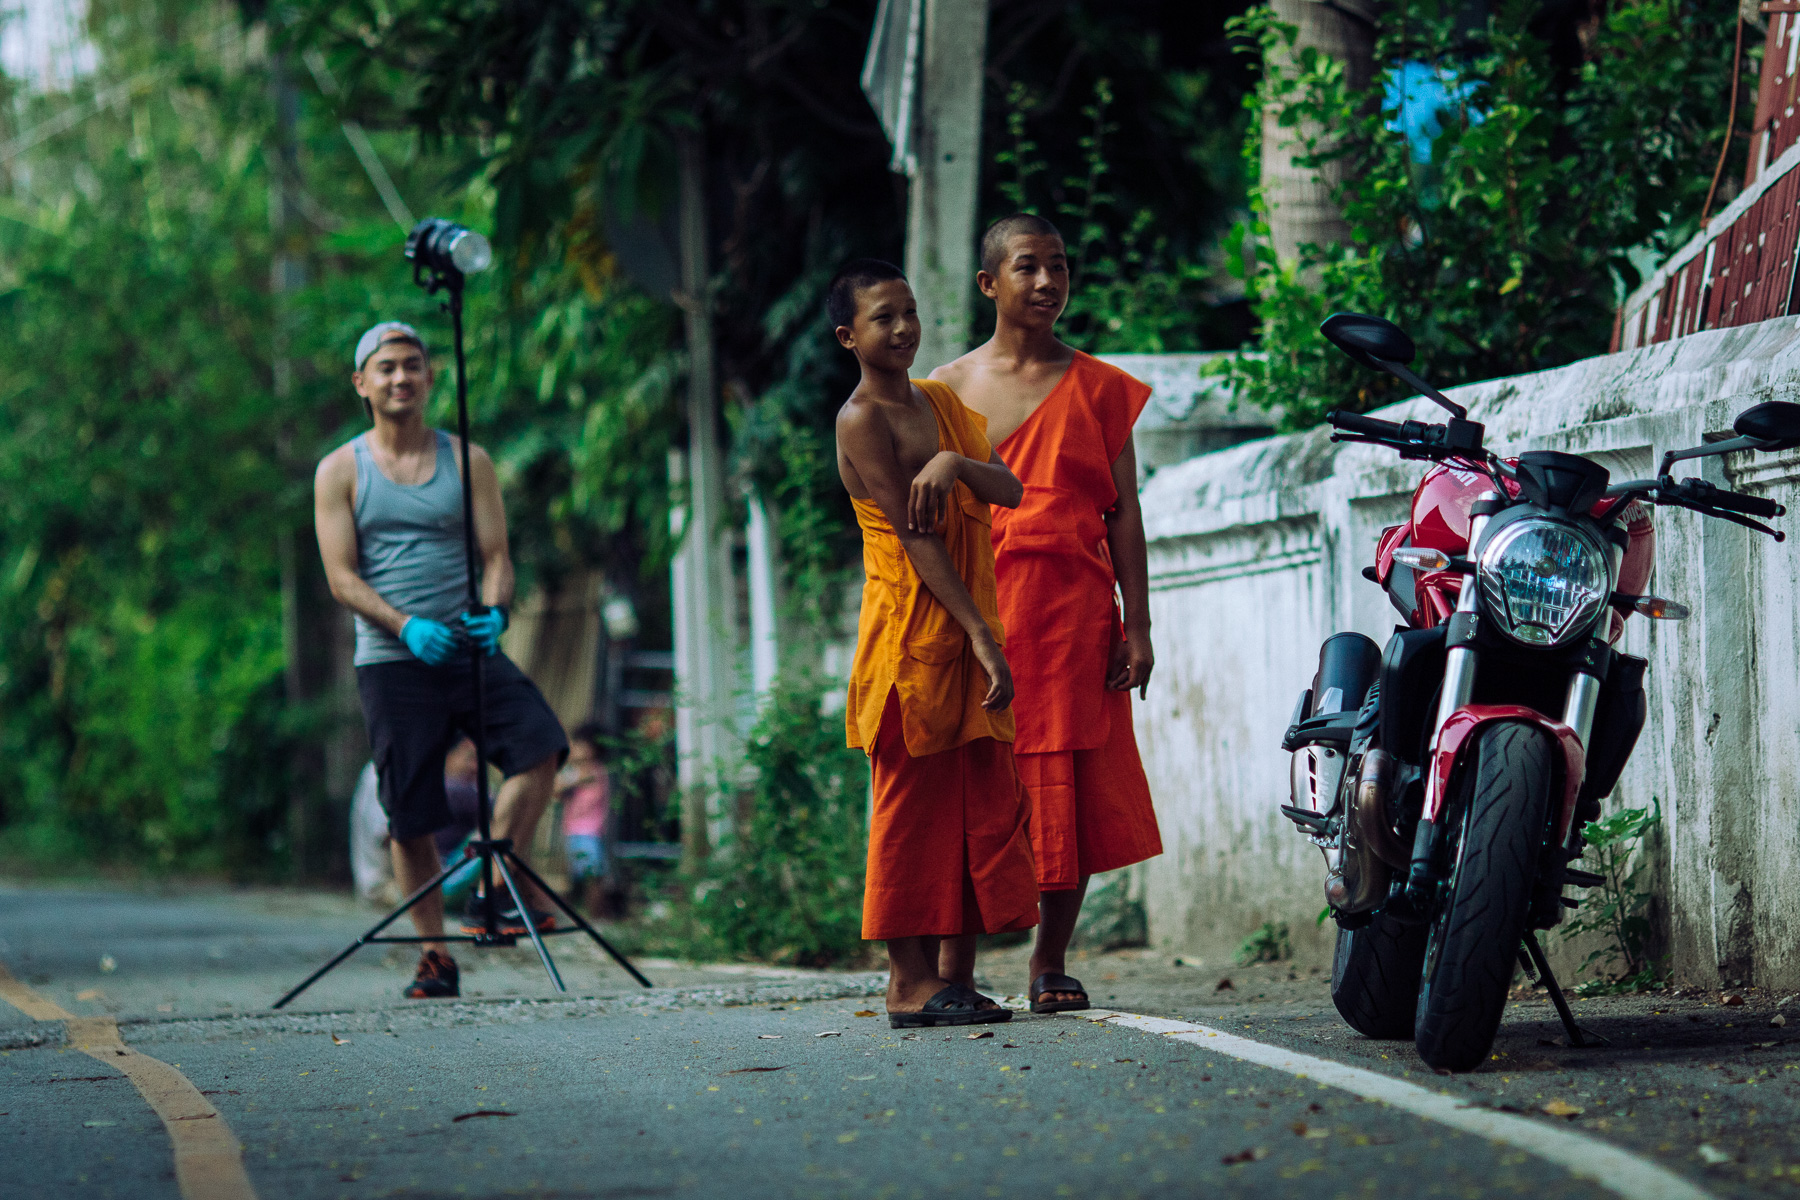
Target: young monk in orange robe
pixel 930 692
pixel 1062 420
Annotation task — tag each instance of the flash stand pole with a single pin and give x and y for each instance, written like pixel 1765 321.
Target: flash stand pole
pixel 496 854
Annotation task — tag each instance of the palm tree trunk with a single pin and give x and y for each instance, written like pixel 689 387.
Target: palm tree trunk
pixel 1299 199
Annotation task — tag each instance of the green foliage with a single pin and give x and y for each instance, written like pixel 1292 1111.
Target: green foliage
pixel 787 886
pixel 1132 292
pixel 1269 943
pixel 140 663
pixel 1619 909
pixel 1111 917
pixel 1508 251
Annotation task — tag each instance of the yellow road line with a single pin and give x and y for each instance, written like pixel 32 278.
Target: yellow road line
pixel 209 1162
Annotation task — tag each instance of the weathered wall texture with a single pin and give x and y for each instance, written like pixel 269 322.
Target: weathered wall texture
pixel 1255 556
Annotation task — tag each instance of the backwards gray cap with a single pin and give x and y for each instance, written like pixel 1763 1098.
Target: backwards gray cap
pixel 381 334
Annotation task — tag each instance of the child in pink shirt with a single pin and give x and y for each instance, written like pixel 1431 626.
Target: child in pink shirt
pixel 586 794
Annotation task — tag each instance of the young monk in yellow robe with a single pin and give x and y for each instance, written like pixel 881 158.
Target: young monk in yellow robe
pixel 930 691
pixel 1062 420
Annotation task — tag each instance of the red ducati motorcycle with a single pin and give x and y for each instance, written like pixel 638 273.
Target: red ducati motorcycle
pixel 1447 775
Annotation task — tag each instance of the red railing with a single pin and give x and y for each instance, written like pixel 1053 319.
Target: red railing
pixel 1740 268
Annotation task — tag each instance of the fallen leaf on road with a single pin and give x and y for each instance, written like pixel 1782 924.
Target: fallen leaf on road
pixel 338 1041
pixel 1024 1068
pixel 486 1112
pixel 867 1012
pixel 165 1008
pixel 752 1070
pixel 90 994
pixel 1244 1156
pixel 828 1033
pixel 769 1037
pixel 982 1034
pixel 107 964
pixel 1562 1108
pixel 1711 1155
pixel 1109 978
pixel 1732 1000
pixel 1778 1020
pixel 1224 985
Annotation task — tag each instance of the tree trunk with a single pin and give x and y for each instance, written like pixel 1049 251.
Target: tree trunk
pixel 700 576
pixel 1299 199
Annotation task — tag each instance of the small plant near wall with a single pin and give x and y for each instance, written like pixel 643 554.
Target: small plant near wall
pixel 1266 944
pixel 1618 910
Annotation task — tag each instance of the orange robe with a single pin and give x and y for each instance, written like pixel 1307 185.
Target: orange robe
pixel 949 847
pixel 1075 749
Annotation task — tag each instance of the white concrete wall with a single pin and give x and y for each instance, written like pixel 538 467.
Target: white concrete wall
pixel 1255 557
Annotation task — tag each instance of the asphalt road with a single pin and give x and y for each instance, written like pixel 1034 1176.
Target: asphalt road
pixel 772 1085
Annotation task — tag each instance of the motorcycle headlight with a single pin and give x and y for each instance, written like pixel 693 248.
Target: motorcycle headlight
pixel 1544 581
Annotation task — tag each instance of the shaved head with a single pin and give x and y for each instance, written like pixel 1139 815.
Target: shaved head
pixel 1000 234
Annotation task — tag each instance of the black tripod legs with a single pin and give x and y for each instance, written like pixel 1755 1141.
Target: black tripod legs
pixel 432 885
pixel 568 911
pixel 525 915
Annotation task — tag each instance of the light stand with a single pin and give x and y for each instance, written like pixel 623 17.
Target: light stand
pixel 439 264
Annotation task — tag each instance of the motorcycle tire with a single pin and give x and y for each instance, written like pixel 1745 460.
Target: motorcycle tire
pixel 1498 815
pixel 1375 977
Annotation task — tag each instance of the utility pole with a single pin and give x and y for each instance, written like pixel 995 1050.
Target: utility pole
pixel 287 274
pixel 700 576
pixel 923 76
pixel 1299 199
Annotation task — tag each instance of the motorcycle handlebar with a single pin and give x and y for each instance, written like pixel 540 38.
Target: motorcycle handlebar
pixel 1754 506
pixel 1704 495
pixel 1356 423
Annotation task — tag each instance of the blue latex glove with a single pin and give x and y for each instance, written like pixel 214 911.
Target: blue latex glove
pixel 486 628
pixel 430 641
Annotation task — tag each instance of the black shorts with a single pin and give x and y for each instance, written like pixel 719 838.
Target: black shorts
pixel 416 712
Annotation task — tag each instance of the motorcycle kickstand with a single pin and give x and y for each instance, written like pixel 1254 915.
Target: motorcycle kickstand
pixel 1578 1038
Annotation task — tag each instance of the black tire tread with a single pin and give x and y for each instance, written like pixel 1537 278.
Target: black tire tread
pixel 1375 977
pixel 1508 788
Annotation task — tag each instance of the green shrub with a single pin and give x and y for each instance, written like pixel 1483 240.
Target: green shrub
pixel 787 886
pixel 1509 250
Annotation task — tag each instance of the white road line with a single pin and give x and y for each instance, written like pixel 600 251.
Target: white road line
pixel 1616 1170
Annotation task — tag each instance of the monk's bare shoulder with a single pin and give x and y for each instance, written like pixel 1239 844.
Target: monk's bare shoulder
pixel 959 373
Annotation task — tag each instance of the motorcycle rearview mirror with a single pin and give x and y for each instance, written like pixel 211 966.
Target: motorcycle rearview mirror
pixel 1382 346
pixel 1775 423
pixel 1771 425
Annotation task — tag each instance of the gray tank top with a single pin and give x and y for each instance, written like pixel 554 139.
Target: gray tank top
pixel 409 547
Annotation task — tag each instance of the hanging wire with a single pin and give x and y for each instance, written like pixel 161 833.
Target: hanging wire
pixel 1737 68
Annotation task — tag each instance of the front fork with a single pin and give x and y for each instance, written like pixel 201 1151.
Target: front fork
pixel 1459 689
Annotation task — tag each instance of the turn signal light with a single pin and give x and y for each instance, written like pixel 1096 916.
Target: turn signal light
pixel 1422 558
pixel 1659 609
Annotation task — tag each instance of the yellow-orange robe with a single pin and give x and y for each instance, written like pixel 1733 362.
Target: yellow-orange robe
pixel 1075 748
pixel 949 841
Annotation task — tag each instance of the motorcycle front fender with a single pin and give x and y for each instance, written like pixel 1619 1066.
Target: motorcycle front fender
pixel 1457 735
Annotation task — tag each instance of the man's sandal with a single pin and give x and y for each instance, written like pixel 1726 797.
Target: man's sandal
pixel 1048 982
pixel 954 1005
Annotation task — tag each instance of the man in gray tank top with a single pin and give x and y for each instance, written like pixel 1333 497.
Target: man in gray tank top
pixel 388 510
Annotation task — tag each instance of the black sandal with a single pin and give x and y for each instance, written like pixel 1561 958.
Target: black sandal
pixel 954 1005
pixel 1048 982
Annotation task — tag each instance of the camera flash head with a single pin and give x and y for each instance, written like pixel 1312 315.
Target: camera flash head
pixel 446 247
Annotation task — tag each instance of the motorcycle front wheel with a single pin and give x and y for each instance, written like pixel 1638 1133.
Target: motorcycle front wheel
pixel 1497 817
pixel 1375 977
